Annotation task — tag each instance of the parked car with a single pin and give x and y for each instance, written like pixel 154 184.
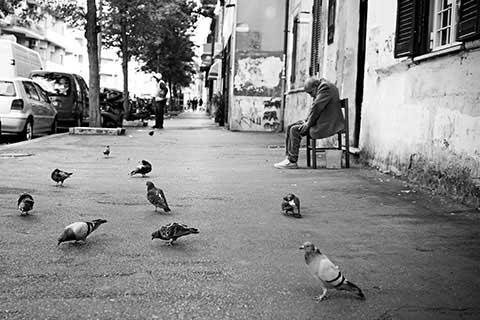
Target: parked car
pixel 111 108
pixel 68 93
pixel 25 108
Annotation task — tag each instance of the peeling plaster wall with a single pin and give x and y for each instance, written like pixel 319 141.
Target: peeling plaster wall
pixel 338 60
pixel 429 109
pixel 257 67
pixel 297 103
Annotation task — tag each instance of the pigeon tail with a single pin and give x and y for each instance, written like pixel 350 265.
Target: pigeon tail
pixel 350 286
pixel 193 230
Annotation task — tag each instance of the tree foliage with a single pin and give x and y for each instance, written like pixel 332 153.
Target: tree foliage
pixel 166 47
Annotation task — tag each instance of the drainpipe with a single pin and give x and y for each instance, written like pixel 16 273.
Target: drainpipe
pixel 284 68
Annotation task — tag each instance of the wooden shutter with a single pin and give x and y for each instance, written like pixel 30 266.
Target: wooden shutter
pixel 468 20
pixel 405 33
pixel 316 28
pixel 294 50
pixel 331 21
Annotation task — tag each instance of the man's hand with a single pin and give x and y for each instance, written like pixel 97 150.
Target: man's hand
pixel 304 130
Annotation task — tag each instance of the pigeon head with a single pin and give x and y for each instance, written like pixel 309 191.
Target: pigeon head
pixel 289 197
pixel 308 247
pixel 144 162
pixel 150 185
pixel 99 221
pixel 56 170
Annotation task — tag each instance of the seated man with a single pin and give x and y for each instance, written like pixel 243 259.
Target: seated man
pixel 324 119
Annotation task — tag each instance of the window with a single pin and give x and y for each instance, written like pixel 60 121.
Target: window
pixel 30 91
pixel 7 88
pixel 316 32
pixel 425 26
pixel 42 94
pixel 444 23
pixel 331 21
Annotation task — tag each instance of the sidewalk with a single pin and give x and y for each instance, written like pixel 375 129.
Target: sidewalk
pixel 414 256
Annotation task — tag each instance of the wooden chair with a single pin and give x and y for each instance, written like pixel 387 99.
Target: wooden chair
pixel 312 143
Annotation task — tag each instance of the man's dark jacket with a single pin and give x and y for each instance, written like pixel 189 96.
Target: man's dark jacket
pixel 326 116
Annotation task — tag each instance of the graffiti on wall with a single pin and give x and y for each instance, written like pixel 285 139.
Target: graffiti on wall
pixel 256 114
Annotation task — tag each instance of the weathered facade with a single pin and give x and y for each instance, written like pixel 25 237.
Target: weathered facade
pixel 251 40
pixel 410 70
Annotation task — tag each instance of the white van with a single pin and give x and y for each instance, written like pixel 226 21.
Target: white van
pixel 17 60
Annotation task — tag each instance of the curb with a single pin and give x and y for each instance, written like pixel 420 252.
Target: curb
pixel 97 131
pixel 27 142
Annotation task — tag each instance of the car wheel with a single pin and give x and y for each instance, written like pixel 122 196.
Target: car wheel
pixel 27 133
pixel 54 128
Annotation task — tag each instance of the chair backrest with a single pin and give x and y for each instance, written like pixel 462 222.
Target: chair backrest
pixel 344 106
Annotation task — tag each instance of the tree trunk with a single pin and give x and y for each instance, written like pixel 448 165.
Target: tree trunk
pixel 125 58
pixel 91 31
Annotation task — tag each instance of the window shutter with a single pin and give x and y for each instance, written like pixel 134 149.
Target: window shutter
pixel 294 51
pixel 331 21
pixel 469 20
pixel 316 27
pixel 405 33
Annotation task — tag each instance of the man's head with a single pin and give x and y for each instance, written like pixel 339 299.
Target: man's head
pixel 311 85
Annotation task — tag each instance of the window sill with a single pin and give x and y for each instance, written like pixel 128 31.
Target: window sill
pixel 433 54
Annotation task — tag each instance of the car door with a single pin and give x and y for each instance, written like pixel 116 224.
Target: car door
pixel 34 106
pixel 49 111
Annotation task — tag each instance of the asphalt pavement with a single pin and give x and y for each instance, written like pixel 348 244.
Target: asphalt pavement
pixel 414 255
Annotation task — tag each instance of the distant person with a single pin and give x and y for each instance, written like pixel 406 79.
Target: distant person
pixel 324 120
pixel 160 100
pixel 194 104
pixel 200 103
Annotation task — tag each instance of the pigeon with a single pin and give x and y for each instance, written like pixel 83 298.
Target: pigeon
pixel 156 197
pixel 329 275
pixel 79 230
pixel 25 203
pixel 106 151
pixel 289 204
pixel 60 176
pixel 143 168
pixel 151 133
pixel 172 232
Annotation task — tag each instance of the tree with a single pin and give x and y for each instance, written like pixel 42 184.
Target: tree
pixel 75 15
pixel 167 49
pixel 122 24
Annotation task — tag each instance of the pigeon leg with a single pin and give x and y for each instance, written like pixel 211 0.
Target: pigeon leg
pixel 321 297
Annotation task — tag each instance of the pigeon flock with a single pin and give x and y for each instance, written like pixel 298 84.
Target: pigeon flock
pixel 317 263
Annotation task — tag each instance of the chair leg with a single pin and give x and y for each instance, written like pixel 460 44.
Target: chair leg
pixel 314 154
pixel 308 151
pixel 347 152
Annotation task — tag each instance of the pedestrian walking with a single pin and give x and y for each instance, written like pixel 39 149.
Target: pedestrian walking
pixel 324 120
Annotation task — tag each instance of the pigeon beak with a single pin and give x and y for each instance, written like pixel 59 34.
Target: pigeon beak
pixel 301 247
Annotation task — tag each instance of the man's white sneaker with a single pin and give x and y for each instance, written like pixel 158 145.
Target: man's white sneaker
pixel 286 164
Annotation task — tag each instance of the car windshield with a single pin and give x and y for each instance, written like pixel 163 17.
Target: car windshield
pixel 55 84
pixel 7 89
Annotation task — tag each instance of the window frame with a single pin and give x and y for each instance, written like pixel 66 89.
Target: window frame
pixel 453 25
